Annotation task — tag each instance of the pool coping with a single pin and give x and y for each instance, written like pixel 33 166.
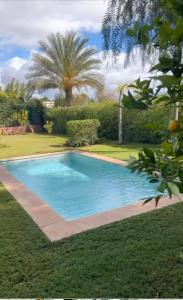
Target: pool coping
pixel 52 224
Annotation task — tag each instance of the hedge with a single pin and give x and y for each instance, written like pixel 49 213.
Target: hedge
pixel 105 112
pixel 34 107
pixel 135 123
pixel 82 132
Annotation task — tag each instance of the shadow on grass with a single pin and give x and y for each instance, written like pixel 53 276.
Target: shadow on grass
pixel 2 146
pixel 57 146
pixel 44 134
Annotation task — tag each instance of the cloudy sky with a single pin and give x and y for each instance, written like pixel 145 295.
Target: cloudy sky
pixel 24 22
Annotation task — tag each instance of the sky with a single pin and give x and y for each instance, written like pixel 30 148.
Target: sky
pixel 24 23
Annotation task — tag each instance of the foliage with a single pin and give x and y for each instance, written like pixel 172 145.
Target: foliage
pixel 3 97
pixel 120 23
pixel 9 111
pixel 82 132
pixel 18 91
pixel 121 17
pixel 36 112
pixel 21 117
pixel 103 95
pixel 59 100
pixel 65 63
pixel 105 112
pixel 164 166
pixel 49 127
pixel 135 123
pixel 81 99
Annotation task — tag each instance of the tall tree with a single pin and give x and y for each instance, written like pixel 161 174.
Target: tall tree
pixel 65 63
pixel 122 16
pixel 18 91
pixel 165 165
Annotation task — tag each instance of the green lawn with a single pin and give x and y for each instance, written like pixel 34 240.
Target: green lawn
pixel 19 145
pixel 27 144
pixel 141 257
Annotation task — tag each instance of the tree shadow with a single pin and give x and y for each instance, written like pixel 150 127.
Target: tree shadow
pixel 2 146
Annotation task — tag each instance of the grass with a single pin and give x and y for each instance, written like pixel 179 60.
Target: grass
pixel 112 149
pixel 141 257
pixel 20 145
pixel 27 144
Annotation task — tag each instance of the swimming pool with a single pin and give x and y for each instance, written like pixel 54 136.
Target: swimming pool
pixel 77 186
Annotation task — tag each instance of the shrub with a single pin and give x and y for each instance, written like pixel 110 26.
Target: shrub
pixel 106 113
pixel 36 112
pixel 21 117
pixel 82 132
pixel 49 127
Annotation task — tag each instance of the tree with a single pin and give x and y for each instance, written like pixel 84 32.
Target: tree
pixel 122 89
pixel 122 16
pixel 17 91
pixel 64 64
pixel 104 94
pixel 163 166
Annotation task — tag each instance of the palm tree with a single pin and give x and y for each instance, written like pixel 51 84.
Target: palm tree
pixel 123 87
pixel 65 63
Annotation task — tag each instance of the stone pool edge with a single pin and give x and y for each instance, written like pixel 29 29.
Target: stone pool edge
pixel 53 225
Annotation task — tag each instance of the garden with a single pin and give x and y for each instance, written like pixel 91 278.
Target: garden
pixel 138 133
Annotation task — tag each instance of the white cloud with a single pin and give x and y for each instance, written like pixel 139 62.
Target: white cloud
pixel 24 23
pixel 115 72
pixel 17 62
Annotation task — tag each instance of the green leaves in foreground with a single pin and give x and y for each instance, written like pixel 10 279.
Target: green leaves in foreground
pixel 164 167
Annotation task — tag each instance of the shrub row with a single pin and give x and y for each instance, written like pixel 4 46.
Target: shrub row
pixel 82 132
pixel 135 123
pixel 8 112
pixel 106 113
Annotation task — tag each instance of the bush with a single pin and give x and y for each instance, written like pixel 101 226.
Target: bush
pixel 135 123
pixel 106 113
pixel 49 127
pixel 36 112
pixel 21 117
pixel 10 113
pixel 82 132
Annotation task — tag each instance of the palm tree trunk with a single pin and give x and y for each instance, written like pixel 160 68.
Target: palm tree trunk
pixel 120 130
pixel 68 96
pixel 176 112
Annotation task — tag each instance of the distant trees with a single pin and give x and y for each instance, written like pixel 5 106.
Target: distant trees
pixel 15 92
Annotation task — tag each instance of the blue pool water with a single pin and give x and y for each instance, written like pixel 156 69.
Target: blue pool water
pixel 77 186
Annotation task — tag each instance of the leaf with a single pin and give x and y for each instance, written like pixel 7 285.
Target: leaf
pixel 167 148
pixel 153 180
pixel 147 200
pixel 130 102
pixel 165 33
pixel 149 153
pixel 157 198
pixel 173 188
